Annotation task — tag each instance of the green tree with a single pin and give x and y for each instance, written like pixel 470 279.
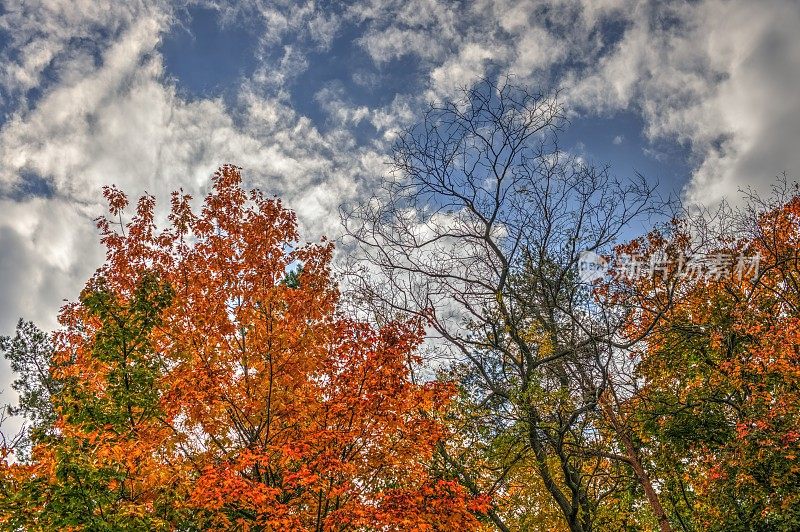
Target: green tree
pixel 29 353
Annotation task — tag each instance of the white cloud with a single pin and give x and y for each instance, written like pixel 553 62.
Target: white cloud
pixel 332 98
pixel 49 248
pixel 720 78
pixel 426 28
pixel 754 129
pixel 43 33
pixel 537 49
pixel 392 43
pixel 463 69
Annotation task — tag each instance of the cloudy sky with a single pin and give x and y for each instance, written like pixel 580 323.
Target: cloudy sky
pixel 306 97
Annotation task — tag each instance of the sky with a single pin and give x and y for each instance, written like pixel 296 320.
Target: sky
pixel 307 97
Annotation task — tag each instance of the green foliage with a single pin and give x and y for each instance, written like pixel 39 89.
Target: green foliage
pixel 292 279
pixel 92 492
pixel 29 354
pixel 122 342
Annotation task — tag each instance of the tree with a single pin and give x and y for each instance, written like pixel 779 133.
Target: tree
pixel 717 408
pixel 480 232
pixel 203 386
pixel 29 354
pixel 96 465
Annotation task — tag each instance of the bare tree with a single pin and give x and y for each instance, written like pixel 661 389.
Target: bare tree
pixel 480 230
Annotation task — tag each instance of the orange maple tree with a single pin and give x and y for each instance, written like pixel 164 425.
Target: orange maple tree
pixel 208 381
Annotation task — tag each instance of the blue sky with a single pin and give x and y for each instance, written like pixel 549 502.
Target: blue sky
pixel 307 97
pixel 208 57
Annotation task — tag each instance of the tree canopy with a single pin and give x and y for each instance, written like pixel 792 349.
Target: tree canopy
pixel 210 376
pixel 203 380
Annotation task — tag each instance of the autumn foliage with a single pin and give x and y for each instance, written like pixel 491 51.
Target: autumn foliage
pixel 718 410
pixel 206 380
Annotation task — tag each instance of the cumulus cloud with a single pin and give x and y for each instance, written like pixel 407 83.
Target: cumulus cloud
pixel 333 98
pixel 717 76
pixel 51 33
pixel 425 28
pixel 463 69
pixel 48 251
pixel 753 108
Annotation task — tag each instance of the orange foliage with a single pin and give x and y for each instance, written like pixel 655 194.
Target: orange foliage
pixel 273 411
pixel 726 353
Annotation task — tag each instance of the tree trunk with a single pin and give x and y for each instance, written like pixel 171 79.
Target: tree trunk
pixel 638 469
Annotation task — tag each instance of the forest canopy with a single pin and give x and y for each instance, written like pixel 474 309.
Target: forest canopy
pixel 210 376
